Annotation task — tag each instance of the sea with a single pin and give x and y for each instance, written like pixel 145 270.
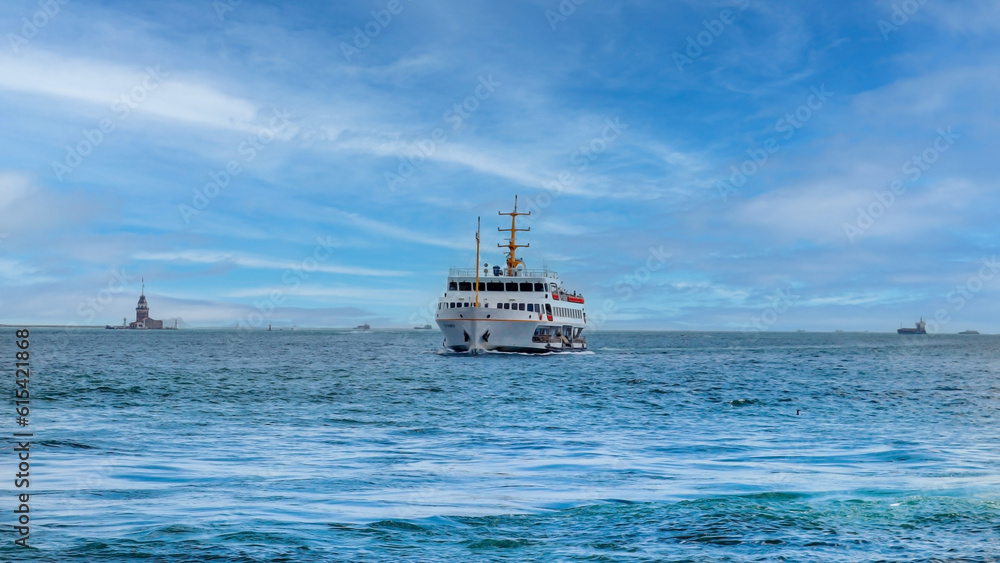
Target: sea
pixel 338 445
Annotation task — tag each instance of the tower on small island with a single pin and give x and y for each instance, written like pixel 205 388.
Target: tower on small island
pixel 142 319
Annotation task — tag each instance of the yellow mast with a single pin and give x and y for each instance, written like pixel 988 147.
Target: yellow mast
pixel 512 245
pixel 479 223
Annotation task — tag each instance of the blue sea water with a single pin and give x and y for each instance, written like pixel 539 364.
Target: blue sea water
pixel 213 445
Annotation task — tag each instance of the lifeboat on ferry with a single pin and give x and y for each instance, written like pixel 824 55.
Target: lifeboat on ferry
pixel 573 299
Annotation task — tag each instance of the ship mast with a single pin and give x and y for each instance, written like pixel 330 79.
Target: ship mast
pixel 479 223
pixel 512 245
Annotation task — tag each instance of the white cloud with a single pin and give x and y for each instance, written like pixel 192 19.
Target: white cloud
pixel 353 294
pixel 103 83
pixel 817 210
pixel 975 16
pixel 392 231
pixel 13 186
pixel 218 257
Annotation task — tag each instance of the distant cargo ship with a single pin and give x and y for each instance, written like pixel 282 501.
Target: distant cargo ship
pixel 921 328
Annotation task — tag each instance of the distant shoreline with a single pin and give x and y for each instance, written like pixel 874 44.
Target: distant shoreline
pixel 50 326
pixel 403 328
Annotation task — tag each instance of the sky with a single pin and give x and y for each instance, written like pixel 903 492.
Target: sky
pixel 689 165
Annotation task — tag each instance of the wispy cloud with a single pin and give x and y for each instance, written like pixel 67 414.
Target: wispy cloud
pixel 389 230
pixel 247 261
pixel 149 89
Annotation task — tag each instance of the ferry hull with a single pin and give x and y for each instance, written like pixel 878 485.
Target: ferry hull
pixel 503 334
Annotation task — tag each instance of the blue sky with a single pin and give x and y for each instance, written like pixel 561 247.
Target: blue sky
pixel 690 165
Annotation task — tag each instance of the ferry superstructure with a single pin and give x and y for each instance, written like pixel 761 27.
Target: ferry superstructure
pixel 510 308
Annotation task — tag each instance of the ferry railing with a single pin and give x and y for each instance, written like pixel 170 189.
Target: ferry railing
pixel 471 272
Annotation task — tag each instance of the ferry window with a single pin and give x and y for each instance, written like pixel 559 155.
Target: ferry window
pixel 539 287
pixel 531 307
pixel 452 286
pixel 511 286
pixel 452 305
pixel 494 286
pixel 520 306
pixel 482 286
pixel 465 286
pixel 526 286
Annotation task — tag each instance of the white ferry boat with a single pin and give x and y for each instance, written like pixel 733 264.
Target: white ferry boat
pixel 510 308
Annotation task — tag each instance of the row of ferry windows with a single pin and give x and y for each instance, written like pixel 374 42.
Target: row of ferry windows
pixel 497 286
pixel 530 307
pixel 567 312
